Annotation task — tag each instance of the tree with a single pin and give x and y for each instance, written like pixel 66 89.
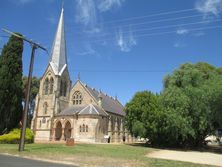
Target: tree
pixel 34 91
pixel 186 111
pixel 191 93
pixel 11 84
pixel 143 114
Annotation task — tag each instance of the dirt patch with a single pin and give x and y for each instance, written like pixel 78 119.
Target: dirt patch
pixel 189 156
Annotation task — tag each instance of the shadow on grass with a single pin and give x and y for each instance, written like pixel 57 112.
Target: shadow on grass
pixel 43 147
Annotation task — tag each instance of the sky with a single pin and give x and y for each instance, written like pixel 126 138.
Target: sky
pixel 119 46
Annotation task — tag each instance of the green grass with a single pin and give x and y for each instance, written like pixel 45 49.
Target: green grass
pixel 95 154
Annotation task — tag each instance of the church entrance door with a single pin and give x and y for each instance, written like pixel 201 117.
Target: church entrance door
pixel 67 134
pixel 58 131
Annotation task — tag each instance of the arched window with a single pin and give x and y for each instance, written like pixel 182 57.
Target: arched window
pixel 80 128
pixel 61 88
pixel 51 85
pixel 64 88
pixel 43 120
pixel 40 124
pixel 46 86
pixel 77 98
pixel 45 107
pixel 83 128
pixel 47 123
pixel 86 128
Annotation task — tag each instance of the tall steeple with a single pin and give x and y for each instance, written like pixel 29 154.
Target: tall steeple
pixel 58 59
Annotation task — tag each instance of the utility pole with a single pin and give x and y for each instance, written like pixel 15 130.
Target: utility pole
pixel 25 111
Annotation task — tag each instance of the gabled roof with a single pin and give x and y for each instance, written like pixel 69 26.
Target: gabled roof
pixel 83 110
pixel 58 59
pixel 109 104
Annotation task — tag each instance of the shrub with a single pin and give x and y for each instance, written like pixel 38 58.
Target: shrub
pixel 13 137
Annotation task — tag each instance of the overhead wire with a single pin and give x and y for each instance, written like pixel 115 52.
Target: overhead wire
pixel 113 71
pixel 149 22
pixel 145 16
pixel 160 33
pixel 159 27
pixel 150 15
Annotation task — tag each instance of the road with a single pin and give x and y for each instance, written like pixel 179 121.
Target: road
pixel 12 161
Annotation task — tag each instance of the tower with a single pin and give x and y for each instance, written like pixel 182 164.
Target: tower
pixel 54 88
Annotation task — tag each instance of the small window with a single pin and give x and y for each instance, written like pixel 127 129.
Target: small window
pixel 40 124
pixel 46 86
pixel 83 128
pixel 61 88
pixel 64 89
pixel 80 128
pixel 43 120
pixel 51 85
pixel 47 123
pixel 86 128
pixel 45 107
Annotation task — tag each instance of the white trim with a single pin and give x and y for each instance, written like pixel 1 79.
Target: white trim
pixel 95 109
pixel 83 109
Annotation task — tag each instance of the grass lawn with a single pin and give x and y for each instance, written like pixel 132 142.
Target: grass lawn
pixel 108 155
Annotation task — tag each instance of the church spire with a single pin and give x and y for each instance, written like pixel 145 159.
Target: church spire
pixel 58 59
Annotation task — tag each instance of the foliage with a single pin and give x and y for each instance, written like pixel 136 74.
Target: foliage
pixel 190 95
pixel 143 113
pixel 187 110
pixel 11 84
pixel 13 137
pixel 34 91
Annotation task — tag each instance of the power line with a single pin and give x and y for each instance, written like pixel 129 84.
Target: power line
pixel 161 33
pixel 151 15
pixel 149 22
pixel 160 27
pixel 146 16
pixel 113 71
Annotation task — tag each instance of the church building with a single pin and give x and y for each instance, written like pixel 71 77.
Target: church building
pixel 64 111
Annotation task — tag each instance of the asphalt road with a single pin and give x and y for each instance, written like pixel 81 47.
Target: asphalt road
pixel 11 161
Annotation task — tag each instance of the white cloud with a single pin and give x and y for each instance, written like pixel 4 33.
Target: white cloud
pixel 125 42
pixel 209 7
pixel 179 45
pixel 199 34
pixel 86 12
pixel 51 20
pixel 25 1
pixel 182 31
pixel 92 30
pixel 88 50
pixel 105 5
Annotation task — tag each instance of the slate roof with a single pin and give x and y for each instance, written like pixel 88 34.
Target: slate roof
pixel 83 110
pixel 109 104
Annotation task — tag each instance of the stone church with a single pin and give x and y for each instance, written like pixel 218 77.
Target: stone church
pixel 64 111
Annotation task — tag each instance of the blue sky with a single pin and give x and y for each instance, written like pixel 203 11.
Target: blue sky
pixel 120 46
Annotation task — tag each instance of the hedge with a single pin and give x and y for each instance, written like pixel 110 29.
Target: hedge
pixel 13 137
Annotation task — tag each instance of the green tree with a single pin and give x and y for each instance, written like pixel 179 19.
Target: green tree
pixel 34 91
pixel 11 84
pixel 190 94
pixel 186 111
pixel 143 115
